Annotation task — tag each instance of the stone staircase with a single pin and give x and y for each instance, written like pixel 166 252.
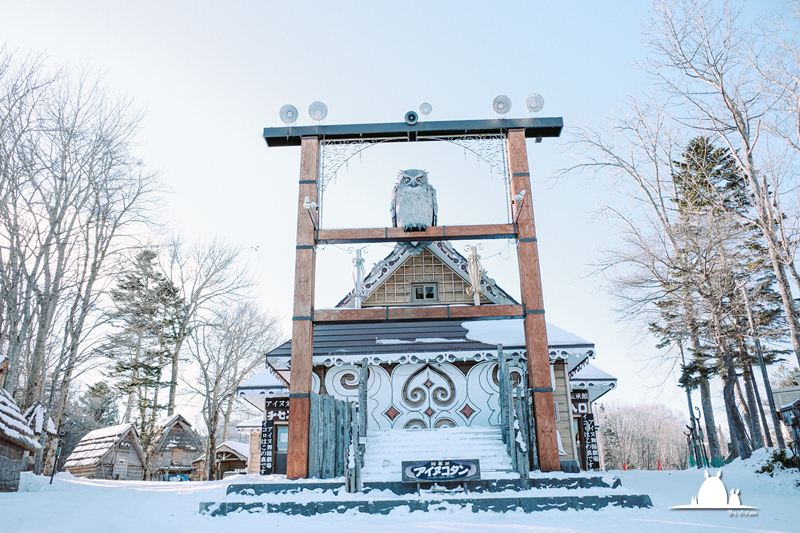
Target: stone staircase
pixel 387 449
pixel 499 488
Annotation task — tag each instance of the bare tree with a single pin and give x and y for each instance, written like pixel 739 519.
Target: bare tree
pixel 703 61
pixel 641 436
pixel 70 188
pixel 207 276
pixel 225 351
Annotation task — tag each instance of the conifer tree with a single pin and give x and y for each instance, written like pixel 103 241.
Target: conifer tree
pixel 140 348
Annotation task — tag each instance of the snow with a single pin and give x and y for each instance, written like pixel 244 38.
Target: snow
pixel 387 449
pixel 78 504
pixel 241 448
pixel 424 340
pixel 265 378
pixel 510 332
pixel 13 426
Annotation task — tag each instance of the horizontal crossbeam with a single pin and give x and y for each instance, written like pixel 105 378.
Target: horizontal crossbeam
pixel 433 233
pixel 421 131
pixel 438 312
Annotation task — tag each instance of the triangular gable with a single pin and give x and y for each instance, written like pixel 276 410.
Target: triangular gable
pixel 453 275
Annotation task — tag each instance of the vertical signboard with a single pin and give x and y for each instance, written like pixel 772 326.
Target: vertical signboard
pixel 590 433
pixel 274 409
pixel 267 446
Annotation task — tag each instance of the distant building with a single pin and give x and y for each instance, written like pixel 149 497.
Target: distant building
pixel 16 438
pixel 109 453
pixel 170 449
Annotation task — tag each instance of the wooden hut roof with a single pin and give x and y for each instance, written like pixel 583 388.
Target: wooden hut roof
pixel 13 426
pixel 96 444
pixel 159 438
pixel 240 449
pixel 37 419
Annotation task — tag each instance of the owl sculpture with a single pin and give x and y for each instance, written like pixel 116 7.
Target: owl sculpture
pixel 414 206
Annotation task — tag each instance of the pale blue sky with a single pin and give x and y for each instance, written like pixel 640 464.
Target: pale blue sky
pixel 212 75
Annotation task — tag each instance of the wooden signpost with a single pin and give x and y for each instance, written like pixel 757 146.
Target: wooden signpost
pixel 308 236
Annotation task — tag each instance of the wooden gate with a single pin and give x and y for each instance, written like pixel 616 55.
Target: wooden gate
pixel 516 419
pixel 333 442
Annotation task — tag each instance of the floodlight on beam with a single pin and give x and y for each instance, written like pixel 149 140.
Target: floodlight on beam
pixel 311 209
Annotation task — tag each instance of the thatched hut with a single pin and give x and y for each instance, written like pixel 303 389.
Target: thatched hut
pixel 109 453
pixel 16 438
pixel 170 449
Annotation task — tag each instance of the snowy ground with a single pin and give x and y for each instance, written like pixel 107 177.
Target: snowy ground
pixel 72 504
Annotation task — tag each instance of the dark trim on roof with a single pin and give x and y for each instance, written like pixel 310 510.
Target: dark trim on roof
pixel 421 131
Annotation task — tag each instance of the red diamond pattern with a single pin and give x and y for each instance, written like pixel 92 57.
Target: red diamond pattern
pixel 392 413
pixel 428 384
pixel 467 411
pixel 429 411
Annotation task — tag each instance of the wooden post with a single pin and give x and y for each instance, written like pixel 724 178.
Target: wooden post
pixel 302 325
pixel 533 303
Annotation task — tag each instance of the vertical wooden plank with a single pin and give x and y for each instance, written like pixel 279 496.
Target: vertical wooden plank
pixel 363 381
pixel 533 302
pixel 328 451
pixel 313 428
pixel 320 434
pixel 302 326
pixel 339 427
pixel 501 377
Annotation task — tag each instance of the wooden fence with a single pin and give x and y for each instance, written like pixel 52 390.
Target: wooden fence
pixel 333 441
pixel 516 418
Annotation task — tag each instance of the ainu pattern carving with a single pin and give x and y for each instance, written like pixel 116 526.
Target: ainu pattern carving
pixel 427 394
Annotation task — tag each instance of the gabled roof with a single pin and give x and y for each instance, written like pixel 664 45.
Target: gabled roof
pixel 13 426
pixel 446 253
pixel 240 449
pixel 96 444
pixel 158 438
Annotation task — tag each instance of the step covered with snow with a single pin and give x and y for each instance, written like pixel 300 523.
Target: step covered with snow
pixel 387 449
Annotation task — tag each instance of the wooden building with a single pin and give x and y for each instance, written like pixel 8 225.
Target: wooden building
pixel 16 438
pixel 170 449
pixel 439 373
pixel 231 457
pixel 109 453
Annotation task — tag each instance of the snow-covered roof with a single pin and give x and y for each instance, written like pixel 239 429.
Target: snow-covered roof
pixel 241 449
pixel 157 440
pixel 250 426
pixel 96 444
pixel 13 426
pixel 35 417
pixel 265 384
pixel 432 341
pixel 594 380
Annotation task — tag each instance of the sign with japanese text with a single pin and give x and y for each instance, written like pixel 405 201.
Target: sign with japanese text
pixel 276 409
pixel 580 402
pixel 267 446
pixel 590 434
pixel 444 470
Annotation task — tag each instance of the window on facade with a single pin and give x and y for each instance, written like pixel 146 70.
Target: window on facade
pixel 424 292
pixel 177 456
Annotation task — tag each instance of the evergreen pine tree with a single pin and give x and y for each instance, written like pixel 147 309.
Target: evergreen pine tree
pixel 140 348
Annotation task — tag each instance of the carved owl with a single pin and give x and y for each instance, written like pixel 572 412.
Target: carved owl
pixel 414 205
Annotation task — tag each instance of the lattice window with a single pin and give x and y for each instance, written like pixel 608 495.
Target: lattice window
pixel 422 268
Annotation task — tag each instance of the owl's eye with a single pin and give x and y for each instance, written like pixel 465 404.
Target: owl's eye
pixel 418 180
pixel 408 180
